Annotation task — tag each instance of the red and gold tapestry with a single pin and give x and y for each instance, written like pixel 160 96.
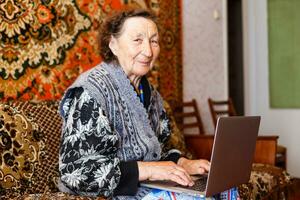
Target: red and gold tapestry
pixel 46 44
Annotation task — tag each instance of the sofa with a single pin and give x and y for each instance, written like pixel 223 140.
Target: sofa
pixel 29 144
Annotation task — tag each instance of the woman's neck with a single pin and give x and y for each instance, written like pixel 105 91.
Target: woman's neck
pixel 135 81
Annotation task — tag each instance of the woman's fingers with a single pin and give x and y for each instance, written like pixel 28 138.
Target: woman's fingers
pixel 201 166
pixel 200 170
pixel 195 166
pixel 183 177
pixel 205 164
pixel 183 171
pixel 179 179
pixel 164 170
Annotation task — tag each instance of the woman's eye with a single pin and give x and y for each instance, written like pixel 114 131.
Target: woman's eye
pixel 137 40
pixel 154 42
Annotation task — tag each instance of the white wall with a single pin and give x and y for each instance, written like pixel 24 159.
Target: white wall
pixel 204 54
pixel 282 122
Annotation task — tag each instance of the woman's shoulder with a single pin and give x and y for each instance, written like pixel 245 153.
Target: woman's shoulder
pixel 85 84
pixel 98 71
pixel 91 78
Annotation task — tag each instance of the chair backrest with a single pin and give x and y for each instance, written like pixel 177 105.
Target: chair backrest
pixel 187 117
pixel 220 108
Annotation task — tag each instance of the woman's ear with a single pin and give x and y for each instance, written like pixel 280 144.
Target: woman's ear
pixel 113 45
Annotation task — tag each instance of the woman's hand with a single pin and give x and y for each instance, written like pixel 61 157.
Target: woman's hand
pixel 164 170
pixel 192 167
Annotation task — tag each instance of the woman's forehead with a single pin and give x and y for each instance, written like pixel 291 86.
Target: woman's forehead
pixel 139 25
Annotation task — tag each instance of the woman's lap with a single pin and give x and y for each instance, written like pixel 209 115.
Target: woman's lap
pixel 157 194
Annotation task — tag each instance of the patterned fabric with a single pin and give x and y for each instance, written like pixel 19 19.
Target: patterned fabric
pixel 45 114
pixel 157 194
pixel 168 73
pixel 42 30
pixel 104 124
pixel 21 150
pixel 45 45
pixel 110 86
pixel 265 180
pixel 56 196
pixel 35 37
pixel 88 158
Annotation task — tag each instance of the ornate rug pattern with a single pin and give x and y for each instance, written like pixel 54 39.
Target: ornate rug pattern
pixel 46 44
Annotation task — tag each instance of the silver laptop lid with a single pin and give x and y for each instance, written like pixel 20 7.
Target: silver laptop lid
pixel 232 153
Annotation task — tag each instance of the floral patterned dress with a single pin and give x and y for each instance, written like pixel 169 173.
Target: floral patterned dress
pixel 106 130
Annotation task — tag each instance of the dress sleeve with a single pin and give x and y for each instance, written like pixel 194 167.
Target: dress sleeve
pixel 88 153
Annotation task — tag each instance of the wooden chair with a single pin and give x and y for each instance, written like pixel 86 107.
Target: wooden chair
pixel 221 108
pixel 226 108
pixel 187 117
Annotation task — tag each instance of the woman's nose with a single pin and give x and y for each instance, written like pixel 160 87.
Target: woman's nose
pixel 147 50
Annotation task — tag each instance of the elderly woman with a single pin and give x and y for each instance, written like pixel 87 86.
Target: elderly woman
pixel 115 125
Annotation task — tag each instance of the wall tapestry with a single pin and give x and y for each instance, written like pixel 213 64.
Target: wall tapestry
pixel 284 51
pixel 46 44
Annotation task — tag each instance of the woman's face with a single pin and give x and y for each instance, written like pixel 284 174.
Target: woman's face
pixel 137 46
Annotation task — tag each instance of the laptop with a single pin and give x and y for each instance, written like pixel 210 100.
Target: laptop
pixel 231 159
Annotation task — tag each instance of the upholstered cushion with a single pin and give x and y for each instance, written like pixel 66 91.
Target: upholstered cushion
pixel 40 125
pixel 177 139
pixel 21 150
pixel 45 114
pixel 265 181
pixel 56 196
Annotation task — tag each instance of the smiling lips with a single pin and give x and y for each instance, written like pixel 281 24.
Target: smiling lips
pixel 145 62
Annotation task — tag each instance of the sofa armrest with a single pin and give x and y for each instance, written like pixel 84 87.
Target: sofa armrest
pixel 265 151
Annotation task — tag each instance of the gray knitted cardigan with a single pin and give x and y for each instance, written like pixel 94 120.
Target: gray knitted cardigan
pixel 122 130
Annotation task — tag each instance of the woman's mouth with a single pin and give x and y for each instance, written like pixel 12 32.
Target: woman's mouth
pixel 145 62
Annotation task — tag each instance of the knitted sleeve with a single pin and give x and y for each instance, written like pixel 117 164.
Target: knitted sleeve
pixel 88 153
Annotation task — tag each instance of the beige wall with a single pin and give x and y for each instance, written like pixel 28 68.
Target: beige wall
pixel 282 122
pixel 204 53
pixel 205 69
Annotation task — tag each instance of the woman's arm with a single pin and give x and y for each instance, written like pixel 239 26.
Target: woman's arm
pixel 88 154
pixel 164 170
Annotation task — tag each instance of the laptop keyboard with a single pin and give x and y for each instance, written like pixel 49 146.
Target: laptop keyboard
pixel 200 184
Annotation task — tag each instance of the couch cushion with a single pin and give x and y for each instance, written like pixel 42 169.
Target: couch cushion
pixel 21 150
pixel 56 196
pixel 45 114
pixel 265 181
